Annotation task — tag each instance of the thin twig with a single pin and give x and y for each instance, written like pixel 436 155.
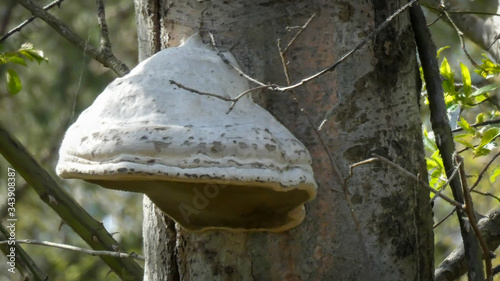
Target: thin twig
pixel 469 210
pixel 284 63
pixel 106 59
pixel 318 135
pixel 26 22
pixel 28 268
pixel 352 51
pixel 480 124
pixel 225 60
pixel 407 173
pixel 302 82
pixel 104 42
pixel 283 52
pixel 232 100
pixel 483 171
pixel 200 92
pixel 435 20
pixel 447 182
pixel 460 35
pixel 301 29
pixel 464 12
pixel 486 194
pixel 78 249
pixel 238 97
pixel 445 218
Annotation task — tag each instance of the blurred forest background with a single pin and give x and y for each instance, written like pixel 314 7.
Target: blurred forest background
pixel 54 94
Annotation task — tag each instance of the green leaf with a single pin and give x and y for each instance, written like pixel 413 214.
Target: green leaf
pixel 489 136
pixel 488 68
pixel 429 144
pixel 446 71
pixel 480 118
pixel 485 89
pixel 31 53
pixel 465 125
pixel 13 82
pixel 481 151
pixel 478 99
pixel 17 59
pixel 466 81
pixel 494 174
pixel 465 143
pixel 440 50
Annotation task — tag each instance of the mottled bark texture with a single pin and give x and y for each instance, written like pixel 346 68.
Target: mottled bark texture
pixel 381 229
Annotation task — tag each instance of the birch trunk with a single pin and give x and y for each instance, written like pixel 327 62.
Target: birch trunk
pixel 379 227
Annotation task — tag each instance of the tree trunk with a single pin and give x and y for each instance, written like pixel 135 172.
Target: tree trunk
pixel 376 227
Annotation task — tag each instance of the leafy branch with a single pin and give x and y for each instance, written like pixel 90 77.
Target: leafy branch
pixel 26 52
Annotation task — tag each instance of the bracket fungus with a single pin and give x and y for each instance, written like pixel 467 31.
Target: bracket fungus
pixel 203 167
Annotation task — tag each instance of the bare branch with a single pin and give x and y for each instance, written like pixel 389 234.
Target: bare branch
pixel 78 249
pixel 484 170
pixel 483 32
pixel 444 137
pixel 200 92
pixel 106 59
pixel 226 61
pixel 454 265
pixel 488 194
pixel 283 52
pixel 301 29
pixel 26 265
pixel 469 210
pixel 352 51
pixel 407 173
pixel 26 22
pixel 460 35
pixel 278 88
pixel 104 43
pixel 446 183
pixel 445 218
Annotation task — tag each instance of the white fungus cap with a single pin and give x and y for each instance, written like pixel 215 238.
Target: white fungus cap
pixel 204 168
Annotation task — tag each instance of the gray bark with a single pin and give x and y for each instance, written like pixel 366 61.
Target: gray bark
pixel 380 227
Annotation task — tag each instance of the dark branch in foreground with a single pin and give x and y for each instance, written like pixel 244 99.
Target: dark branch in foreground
pixel 444 137
pixel 90 230
pixel 105 58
